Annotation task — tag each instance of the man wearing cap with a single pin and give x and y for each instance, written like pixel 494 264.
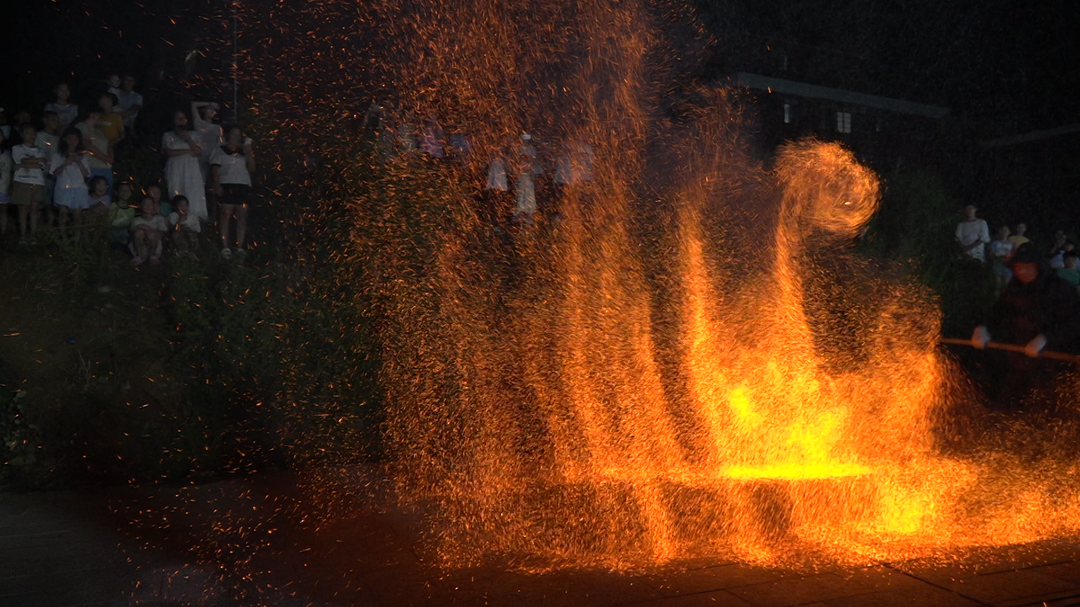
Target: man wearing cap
pixel 1037 309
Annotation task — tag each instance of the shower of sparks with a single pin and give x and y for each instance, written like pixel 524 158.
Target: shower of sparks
pixel 689 365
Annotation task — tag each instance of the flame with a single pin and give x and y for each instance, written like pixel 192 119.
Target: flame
pixel 690 365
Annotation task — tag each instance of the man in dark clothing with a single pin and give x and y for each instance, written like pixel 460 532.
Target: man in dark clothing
pixel 1038 309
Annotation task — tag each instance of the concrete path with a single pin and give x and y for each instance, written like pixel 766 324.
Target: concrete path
pixel 241 542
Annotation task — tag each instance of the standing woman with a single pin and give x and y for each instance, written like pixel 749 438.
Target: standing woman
pixel 70 169
pixel 231 166
pixel 182 174
pixel 65 110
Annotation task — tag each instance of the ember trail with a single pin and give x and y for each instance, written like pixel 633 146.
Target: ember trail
pixel 681 356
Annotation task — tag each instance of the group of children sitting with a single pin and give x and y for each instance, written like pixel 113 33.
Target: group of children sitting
pixel 144 233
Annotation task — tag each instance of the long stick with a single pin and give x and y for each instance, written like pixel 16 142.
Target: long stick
pixel 1013 348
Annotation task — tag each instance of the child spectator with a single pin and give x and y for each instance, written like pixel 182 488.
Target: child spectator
pixel 164 207
pixel 28 189
pixel 48 141
pixel 231 166
pixel 69 168
pixel 496 191
pixel 182 173
pixel 1069 272
pixel 98 199
pixel 113 84
pixel 1058 259
pixel 65 110
pixel 147 231
pixel 130 102
pixel 121 213
pixel 5 128
pixel 1018 237
pixel 185 227
pixel 97 147
pixel 110 122
pixel 209 136
pixel 1000 252
pixel 6 168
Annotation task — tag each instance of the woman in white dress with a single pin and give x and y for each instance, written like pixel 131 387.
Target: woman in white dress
pixel 182 173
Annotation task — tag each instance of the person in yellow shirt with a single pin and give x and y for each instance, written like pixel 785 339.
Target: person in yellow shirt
pixel 110 122
pixel 1018 237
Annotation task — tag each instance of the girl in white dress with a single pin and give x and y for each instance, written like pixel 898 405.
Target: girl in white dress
pixel 182 173
pixel 70 169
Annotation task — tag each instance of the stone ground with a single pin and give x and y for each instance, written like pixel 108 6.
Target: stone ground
pixel 171 546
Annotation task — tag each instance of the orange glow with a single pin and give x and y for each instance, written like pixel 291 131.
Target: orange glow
pixel 692 364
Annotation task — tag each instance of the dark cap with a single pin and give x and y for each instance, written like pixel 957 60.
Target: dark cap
pixel 1025 254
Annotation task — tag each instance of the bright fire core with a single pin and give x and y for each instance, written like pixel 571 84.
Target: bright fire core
pixel 692 362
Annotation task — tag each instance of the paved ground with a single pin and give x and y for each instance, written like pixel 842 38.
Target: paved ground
pixel 166 546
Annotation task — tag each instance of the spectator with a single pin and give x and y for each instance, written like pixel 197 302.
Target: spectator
pixel 496 191
pixel 121 213
pixel 1000 252
pixel 70 169
pixel 6 168
pixel 460 144
pixel 130 102
pixel 112 82
pixel 65 110
pixel 164 207
pixel 185 228
pixel 28 189
pixel 1058 260
pixel 48 141
pixel 231 166
pixel 431 140
pixel 1070 273
pixel 182 173
pixel 5 128
pixel 147 232
pixel 208 135
pixel 1057 246
pixel 97 147
pixel 525 186
pixel 406 132
pixel 972 235
pixel 1018 238
pixel 110 122
pixel 98 199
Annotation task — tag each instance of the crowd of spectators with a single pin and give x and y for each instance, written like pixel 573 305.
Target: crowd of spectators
pixel 976 246
pixel 511 178
pixel 58 173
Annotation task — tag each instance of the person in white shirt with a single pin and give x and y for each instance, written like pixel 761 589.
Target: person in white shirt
pixel 972 235
pixel 65 110
pixel 130 102
pixel 6 167
pixel 28 189
pixel 207 133
pixel 98 148
pixel 231 166
pixel 112 82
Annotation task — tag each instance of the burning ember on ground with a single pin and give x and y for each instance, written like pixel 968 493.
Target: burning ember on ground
pixel 692 362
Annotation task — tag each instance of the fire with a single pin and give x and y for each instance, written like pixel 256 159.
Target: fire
pixel 691 364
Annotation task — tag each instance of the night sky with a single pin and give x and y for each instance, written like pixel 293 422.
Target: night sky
pixel 1009 65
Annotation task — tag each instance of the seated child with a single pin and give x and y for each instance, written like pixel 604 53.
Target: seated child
pixel 1070 273
pixel 120 215
pixel 147 232
pixel 185 227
